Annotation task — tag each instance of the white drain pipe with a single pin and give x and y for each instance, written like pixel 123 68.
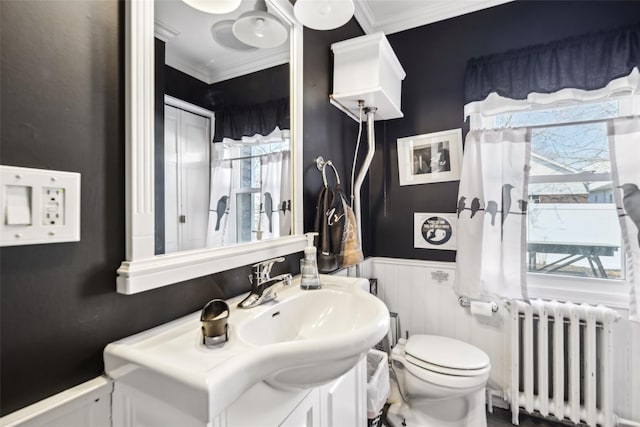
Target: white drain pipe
pixel 370 112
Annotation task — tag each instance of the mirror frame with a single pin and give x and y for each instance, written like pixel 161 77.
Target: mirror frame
pixel 143 270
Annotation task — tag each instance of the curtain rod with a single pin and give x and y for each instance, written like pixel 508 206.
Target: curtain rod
pixel 553 125
pixel 251 157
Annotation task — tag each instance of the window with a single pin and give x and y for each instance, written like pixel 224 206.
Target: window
pixel 572 224
pixel 249 197
pixel 572 229
pixel 247 179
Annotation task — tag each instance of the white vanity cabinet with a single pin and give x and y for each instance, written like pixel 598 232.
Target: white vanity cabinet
pixel 265 374
pixel 341 402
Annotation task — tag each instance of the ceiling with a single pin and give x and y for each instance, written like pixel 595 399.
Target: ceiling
pixel 190 47
pixel 392 16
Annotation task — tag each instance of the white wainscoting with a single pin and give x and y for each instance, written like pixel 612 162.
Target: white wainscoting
pixel 427 305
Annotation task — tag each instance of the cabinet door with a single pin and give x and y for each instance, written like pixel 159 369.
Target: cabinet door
pixel 307 413
pixel 343 401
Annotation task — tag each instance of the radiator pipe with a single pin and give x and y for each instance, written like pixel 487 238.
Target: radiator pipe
pixel 621 422
pixel 491 393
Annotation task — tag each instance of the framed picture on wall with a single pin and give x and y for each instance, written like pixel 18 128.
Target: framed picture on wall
pixel 432 157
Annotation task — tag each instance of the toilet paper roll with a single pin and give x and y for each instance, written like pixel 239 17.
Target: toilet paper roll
pixel 482 308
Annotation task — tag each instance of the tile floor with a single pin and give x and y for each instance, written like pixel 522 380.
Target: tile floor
pixel 502 418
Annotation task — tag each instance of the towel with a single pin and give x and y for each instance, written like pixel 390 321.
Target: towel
pixel 350 248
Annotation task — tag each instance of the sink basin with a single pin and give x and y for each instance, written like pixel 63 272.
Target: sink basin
pixel 317 335
pixel 303 339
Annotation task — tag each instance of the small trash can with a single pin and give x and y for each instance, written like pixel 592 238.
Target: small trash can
pixel 378 388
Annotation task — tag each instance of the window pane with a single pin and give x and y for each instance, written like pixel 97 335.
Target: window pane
pixel 244 214
pixel 573 226
pixel 578 239
pixel 567 114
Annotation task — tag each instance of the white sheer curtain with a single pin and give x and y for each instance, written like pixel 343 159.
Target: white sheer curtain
pixel 219 230
pixel 285 194
pixel 624 148
pixel 492 208
pixel 276 203
pixel 234 170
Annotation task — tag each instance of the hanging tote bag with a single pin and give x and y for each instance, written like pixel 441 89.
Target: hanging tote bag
pixel 329 222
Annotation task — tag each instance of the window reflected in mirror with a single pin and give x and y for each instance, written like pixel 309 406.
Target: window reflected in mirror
pixel 250 191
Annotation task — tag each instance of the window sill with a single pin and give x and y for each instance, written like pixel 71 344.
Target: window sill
pixel 611 293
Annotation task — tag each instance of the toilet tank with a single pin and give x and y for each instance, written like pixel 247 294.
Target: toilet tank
pixel 366 68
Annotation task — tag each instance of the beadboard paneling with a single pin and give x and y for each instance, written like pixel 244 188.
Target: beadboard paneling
pixel 425 306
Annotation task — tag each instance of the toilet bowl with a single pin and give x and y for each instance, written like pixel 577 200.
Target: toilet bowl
pixel 441 382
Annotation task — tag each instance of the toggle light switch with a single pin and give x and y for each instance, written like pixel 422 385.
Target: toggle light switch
pixel 18 204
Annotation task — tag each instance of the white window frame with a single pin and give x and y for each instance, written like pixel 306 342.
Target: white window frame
pixel 613 293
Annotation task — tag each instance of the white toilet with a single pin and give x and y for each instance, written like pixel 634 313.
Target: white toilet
pixel 441 381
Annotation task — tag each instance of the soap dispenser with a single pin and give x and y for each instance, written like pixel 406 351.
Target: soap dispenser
pixel 310 278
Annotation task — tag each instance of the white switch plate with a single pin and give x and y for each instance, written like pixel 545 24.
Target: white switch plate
pixel 50 215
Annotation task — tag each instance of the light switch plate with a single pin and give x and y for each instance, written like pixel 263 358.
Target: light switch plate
pixel 38 206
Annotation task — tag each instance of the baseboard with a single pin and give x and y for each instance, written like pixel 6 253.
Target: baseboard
pixel 87 405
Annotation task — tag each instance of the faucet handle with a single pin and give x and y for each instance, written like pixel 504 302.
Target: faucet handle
pixel 263 268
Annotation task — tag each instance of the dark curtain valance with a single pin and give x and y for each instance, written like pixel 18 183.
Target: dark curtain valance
pixel 587 62
pixel 250 120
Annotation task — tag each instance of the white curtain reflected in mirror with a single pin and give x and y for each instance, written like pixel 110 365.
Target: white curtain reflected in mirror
pixel 250 189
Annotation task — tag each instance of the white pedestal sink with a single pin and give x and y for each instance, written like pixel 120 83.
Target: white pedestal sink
pixel 303 339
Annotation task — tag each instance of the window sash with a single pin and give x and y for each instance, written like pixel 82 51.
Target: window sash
pixel 610 292
pixel 570 177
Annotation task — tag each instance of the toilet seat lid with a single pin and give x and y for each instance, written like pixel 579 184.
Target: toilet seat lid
pixel 446 352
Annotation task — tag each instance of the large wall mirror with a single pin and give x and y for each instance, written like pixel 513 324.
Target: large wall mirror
pixel 214 139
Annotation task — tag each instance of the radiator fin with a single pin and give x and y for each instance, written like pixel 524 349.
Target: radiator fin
pixel 561 360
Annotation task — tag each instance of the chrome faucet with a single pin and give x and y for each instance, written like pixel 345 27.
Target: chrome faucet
pixel 262 284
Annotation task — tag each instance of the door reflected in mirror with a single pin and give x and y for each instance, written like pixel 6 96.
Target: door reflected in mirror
pixel 222 120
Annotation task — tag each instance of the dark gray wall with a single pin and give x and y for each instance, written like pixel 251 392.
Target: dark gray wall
pixel 327 131
pixel 62 107
pixel 256 88
pixel 158 148
pixel 434 58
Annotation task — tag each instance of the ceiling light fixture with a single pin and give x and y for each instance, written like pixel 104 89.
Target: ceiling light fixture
pixel 222 33
pixel 214 6
pixel 259 28
pixel 323 14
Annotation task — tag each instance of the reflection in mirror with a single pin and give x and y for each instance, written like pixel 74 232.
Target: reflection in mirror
pixel 222 140
pixel 224 86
